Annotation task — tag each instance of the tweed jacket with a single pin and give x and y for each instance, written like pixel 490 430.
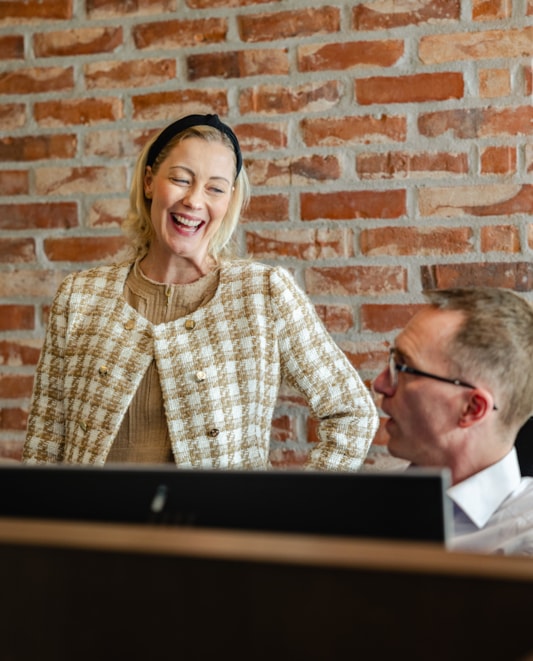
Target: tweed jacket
pixel 220 370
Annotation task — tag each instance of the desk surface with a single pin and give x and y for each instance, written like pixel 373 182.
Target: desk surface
pixel 263 547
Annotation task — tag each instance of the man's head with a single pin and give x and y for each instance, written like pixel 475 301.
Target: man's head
pixel 479 341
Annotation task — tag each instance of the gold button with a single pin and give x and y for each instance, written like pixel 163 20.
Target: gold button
pixel 102 370
pixel 129 325
pixel 200 376
pixel 83 425
pixel 213 433
pixel 190 324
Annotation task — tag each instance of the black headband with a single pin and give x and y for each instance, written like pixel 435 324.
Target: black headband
pixel 188 122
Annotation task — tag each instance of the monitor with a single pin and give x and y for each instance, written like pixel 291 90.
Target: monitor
pixel 408 505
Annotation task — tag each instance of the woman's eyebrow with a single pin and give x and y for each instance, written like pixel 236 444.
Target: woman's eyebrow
pixel 191 172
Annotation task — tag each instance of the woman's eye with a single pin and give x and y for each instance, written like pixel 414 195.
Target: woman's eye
pixel 181 182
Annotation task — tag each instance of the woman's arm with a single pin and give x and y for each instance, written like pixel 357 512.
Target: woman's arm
pixel 46 429
pixel 314 364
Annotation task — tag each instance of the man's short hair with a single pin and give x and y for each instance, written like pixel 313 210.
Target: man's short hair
pixel 494 344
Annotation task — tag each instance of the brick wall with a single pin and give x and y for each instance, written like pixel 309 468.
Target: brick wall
pixel 389 147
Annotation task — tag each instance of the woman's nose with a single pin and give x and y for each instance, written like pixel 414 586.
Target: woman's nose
pixel 193 198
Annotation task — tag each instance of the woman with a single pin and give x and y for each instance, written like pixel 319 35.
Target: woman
pixel 177 355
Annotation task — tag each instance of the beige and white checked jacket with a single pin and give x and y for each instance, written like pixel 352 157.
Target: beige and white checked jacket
pixel 220 370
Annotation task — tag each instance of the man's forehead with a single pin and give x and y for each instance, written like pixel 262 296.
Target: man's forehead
pixel 429 329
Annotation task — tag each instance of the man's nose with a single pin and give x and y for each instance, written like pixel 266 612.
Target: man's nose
pixel 382 383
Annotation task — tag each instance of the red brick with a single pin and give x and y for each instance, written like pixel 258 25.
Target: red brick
pixel 12 47
pixel 16 317
pixel 283 429
pixel 11 449
pixel 400 165
pixel 14 419
pixel 272 99
pixel 238 64
pixel 529 158
pixel 35 80
pixel 179 34
pixel 84 248
pixel 67 181
pixel 336 131
pixel 35 148
pixel 78 111
pixel 262 136
pixel 347 205
pixel 417 88
pixel 137 73
pixel 336 318
pixel 416 241
pixel 107 9
pixel 267 208
pixel 355 280
pixel 368 357
pixel 491 10
pixel 16 251
pixel 14 182
pixel 46 215
pixel 31 283
pixel 113 144
pixel 169 105
pixel 528 79
pixel 108 213
pixel 508 43
pixel 500 238
pixel 486 200
pixel 494 83
pixel 510 275
pixel 383 318
pixel 12 116
pixel 287 24
pixel 211 4
pixel 529 9
pixel 81 41
pixel 295 171
pixel 373 15
pixel 346 55
pixel 470 123
pixel 15 353
pixel 15 386
pixel 498 160
pixel 32 10
pixel 300 244
pixel 283 458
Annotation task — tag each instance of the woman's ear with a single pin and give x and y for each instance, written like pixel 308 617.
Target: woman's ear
pixel 148 182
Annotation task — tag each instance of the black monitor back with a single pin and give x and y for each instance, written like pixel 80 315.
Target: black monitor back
pixel 410 505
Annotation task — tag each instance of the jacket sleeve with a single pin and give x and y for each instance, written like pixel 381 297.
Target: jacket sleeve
pixel 45 436
pixel 313 363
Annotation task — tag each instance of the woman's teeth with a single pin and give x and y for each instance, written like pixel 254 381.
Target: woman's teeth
pixel 187 221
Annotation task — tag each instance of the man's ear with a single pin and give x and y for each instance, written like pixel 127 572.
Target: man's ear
pixel 478 405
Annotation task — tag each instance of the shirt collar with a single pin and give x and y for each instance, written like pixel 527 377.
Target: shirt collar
pixel 480 495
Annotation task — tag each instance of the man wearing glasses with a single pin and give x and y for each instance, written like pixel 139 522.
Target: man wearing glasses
pixel 457 388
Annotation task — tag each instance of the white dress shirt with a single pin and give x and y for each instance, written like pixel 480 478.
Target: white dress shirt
pixel 493 510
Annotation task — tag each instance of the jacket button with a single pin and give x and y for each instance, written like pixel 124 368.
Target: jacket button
pixel 200 376
pixel 190 324
pixel 102 370
pixel 213 432
pixel 129 325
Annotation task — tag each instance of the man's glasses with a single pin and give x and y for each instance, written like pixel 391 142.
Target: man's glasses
pixel 395 368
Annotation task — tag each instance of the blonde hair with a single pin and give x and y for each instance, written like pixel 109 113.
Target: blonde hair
pixel 138 225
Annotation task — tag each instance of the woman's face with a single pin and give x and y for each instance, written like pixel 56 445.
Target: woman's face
pixel 190 194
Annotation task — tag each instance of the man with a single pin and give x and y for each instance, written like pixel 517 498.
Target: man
pixel 458 387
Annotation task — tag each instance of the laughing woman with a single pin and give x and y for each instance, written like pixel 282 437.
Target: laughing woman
pixel 178 354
